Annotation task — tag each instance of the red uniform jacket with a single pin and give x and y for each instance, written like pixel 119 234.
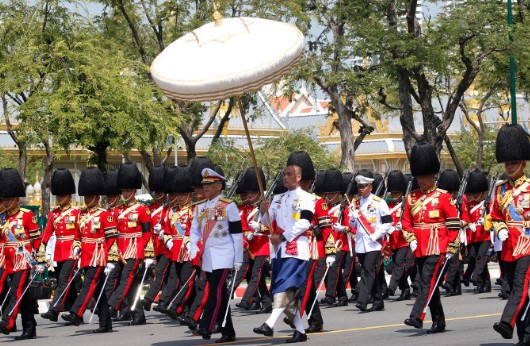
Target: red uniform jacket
pixel 177 225
pixel 158 214
pixel 20 234
pixel 132 237
pixel 98 232
pixel 397 240
pixel 259 245
pixel 433 220
pixel 325 243
pixel 480 234
pixel 64 224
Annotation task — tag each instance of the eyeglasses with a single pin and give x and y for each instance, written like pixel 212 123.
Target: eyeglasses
pixel 362 186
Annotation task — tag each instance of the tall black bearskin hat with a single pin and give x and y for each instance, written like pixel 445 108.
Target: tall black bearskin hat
pixel 12 184
pixel 178 180
pixel 241 188
pixel 319 181
pixel 279 187
pixel 423 160
pixel 303 160
pixel 332 181
pixel 449 180
pixel 219 170
pixel 477 181
pixel 62 182
pixel 251 182
pixel 378 179
pixel 92 182
pixel 346 180
pixel 365 173
pixel 409 177
pixel 157 178
pixel 111 183
pixel 512 144
pixel 129 177
pixel 396 181
pixel 196 165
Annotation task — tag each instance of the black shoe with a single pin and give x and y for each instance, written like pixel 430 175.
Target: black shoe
pixel 498 281
pixel 186 321
pixel 297 337
pixel 522 343
pixel 327 300
pixel 146 302
pixel 405 295
pixel 390 291
pixel 316 328
pixel 160 308
pixel 503 296
pixel 205 333
pixel 354 297
pixel 377 308
pixel 73 319
pixel 172 314
pixel 264 329
pixel 30 333
pixel 50 315
pixel 458 291
pixel 343 301
pixel 465 281
pixel 126 317
pixel 414 322
pixel 102 330
pixel 243 305
pixel 139 319
pixel 265 309
pixel 288 322
pixel 216 328
pixel 504 329
pixel 226 338
pixel 255 306
pixel 437 327
pixel 3 328
pixel 361 307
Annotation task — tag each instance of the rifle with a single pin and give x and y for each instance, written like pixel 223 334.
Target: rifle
pixel 380 186
pixel 233 188
pixel 343 205
pixel 269 193
pixel 489 196
pixel 316 228
pixel 407 192
pixel 460 200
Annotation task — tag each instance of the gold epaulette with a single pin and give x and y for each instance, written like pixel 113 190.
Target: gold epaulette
pixel 226 200
pixel 377 198
pixel 198 202
pixel 441 190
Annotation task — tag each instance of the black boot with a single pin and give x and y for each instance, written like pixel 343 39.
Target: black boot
pixel 328 301
pixel 146 302
pixel 414 322
pixel 28 333
pixel 504 329
pixel 437 327
pixel 50 315
pixel 103 329
pixel 405 295
pixel 343 301
pixel 264 329
pixel 72 319
pixel 297 337
pixel 138 319
pixel 160 308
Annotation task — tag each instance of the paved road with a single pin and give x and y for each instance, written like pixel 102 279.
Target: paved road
pixel 469 322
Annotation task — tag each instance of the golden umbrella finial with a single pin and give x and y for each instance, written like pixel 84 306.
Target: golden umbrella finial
pixel 217 16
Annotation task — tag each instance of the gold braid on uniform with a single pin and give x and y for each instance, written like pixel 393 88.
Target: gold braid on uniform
pixel 452 224
pixel 409 236
pixel 324 222
pixel 498 226
pixel 330 248
pixel 453 246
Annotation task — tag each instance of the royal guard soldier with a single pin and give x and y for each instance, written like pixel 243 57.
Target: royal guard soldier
pixel 430 224
pixel 114 264
pixel 21 237
pixel 478 239
pixel 196 165
pixel 258 240
pixel 335 284
pixel 134 228
pixel 402 256
pixel 3 271
pixel 370 216
pixel 63 223
pixel 156 182
pixel 316 266
pixel 97 229
pixel 511 222
pixel 449 181
pixel 217 222
pixel 176 227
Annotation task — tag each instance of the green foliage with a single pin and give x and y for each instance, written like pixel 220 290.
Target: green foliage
pixel 466 148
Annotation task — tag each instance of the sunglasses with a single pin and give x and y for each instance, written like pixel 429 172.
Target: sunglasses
pixel 362 186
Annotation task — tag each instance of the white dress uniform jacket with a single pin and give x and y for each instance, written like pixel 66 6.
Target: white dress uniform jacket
pixel 222 249
pixel 373 209
pixel 286 209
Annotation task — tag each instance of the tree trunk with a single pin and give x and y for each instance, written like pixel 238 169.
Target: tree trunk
pixel 452 152
pixel 47 180
pixel 347 144
pixel 100 155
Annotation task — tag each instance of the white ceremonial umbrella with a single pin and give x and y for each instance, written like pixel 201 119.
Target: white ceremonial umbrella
pixel 227 58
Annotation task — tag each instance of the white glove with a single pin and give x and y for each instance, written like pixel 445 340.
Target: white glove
pixel 355 214
pixel 110 267
pixel 339 228
pixel 169 244
pixel 330 259
pixel 480 222
pixel 157 228
pixel 374 236
pixel 472 226
pixel 398 226
pixel 149 262
pixel 449 255
pixel 77 251
pixel 193 250
pixel 237 266
pixel 391 230
pixel 413 245
pixel 161 235
pixel 254 225
pixel 503 234
pixel 250 236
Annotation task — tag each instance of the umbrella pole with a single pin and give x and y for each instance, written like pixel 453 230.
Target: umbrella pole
pixel 254 163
